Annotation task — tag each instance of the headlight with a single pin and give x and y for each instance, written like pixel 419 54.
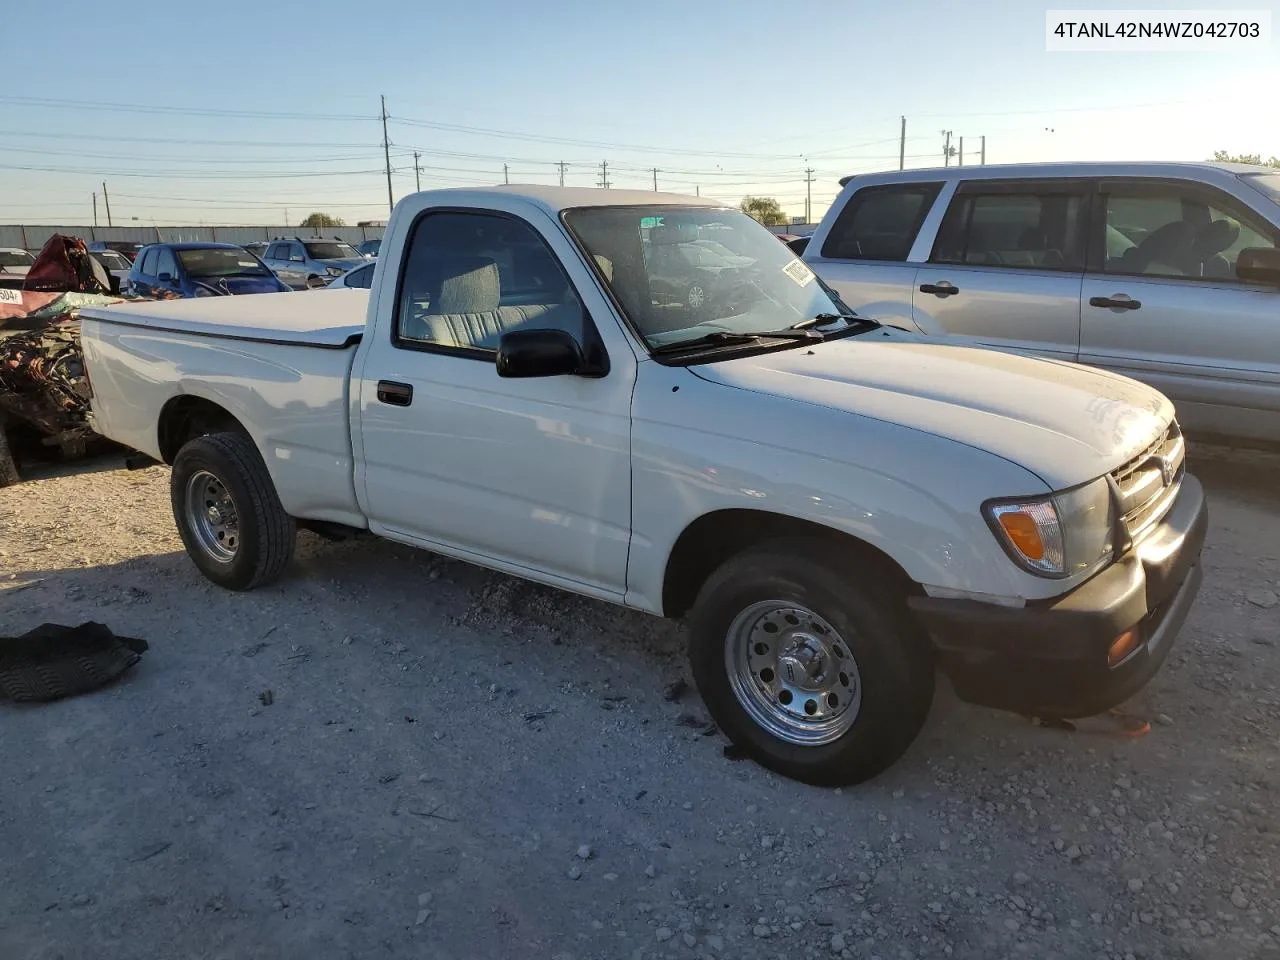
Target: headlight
pixel 1061 535
pixel 334 271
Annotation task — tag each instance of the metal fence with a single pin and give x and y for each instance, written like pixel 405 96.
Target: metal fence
pixel 33 238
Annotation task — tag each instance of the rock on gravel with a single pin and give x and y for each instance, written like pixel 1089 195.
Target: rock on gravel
pixel 1262 598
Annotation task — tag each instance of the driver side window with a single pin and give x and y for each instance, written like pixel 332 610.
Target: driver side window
pixel 1170 232
pixel 469 278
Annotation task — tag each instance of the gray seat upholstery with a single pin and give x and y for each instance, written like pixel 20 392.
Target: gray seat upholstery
pixel 463 296
pixel 1211 240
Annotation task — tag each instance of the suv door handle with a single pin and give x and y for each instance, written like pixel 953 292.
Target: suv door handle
pixel 943 289
pixel 1120 302
pixel 395 394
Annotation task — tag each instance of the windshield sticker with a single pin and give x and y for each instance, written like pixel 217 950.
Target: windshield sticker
pixel 798 272
pixel 10 296
pixel 648 223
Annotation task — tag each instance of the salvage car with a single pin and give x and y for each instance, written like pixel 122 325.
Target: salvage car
pixel 311 263
pixel 361 278
pixel 14 264
pixel 200 270
pixel 1165 272
pixel 838 507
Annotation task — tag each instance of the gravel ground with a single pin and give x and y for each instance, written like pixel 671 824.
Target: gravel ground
pixel 390 754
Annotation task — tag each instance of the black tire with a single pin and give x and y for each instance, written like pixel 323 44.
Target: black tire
pixel 867 610
pixel 265 533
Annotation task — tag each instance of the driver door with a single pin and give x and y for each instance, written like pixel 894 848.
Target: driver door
pixel 527 474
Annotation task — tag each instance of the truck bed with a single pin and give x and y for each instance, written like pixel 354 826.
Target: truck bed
pixel 328 319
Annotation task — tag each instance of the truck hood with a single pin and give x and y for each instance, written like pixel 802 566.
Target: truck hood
pixel 1065 423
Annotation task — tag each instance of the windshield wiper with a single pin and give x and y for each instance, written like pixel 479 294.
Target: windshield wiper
pixel 726 338
pixel 851 318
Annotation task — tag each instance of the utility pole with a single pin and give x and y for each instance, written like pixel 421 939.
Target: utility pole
pixel 808 194
pixel 417 171
pixel 506 175
pixel 562 165
pixel 95 208
pixel 655 179
pixel 902 145
pixel 960 161
pixel 982 157
pixel 946 148
pixel 604 174
pixel 697 190
pixel 386 153
pixel 107 200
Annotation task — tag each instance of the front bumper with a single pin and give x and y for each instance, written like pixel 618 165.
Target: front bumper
pixel 1049 658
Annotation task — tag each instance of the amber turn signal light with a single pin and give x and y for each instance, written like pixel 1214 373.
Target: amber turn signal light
pixel 1123 645
pixel 1023 533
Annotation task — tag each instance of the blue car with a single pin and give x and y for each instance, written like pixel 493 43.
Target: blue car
pixel 166 270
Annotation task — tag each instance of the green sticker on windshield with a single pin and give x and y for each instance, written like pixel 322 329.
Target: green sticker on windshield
pixel 650 222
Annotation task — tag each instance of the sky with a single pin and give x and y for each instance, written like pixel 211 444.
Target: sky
pixel 253 112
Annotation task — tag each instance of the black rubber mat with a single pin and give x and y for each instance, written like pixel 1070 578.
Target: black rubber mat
pixel 54 661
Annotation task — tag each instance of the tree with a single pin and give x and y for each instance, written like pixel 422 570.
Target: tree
pixel 1221 156
pixel 765 209
pixel 317 220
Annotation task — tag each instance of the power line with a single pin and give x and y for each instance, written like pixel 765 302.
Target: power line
pixel 48 102
pixel 542 138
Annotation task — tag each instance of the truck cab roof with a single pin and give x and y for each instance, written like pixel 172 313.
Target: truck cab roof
pixel 556 199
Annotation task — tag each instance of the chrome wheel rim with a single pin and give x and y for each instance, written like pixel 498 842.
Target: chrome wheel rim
pixel 697 297
pixel 212 516
pixel 792 673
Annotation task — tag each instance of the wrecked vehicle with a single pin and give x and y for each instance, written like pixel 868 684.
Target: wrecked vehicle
pixel 43 389
pixel 838 507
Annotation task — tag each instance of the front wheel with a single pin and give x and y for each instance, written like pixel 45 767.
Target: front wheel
pixel 809 662
pixel 227 511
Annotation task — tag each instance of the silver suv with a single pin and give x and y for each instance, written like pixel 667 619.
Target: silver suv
pixel 1165 272
pixel 308 263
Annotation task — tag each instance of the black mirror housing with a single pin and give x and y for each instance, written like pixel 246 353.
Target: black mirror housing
pixel 538 353
pixel 1259 265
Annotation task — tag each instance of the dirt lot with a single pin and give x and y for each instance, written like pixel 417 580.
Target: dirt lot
pixel 450 763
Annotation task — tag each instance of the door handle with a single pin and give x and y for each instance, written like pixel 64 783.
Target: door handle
pixel 943 289
pixel 1116 303
pixel 395 394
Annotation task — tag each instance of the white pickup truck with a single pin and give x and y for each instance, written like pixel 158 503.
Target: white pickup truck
pixel 647 399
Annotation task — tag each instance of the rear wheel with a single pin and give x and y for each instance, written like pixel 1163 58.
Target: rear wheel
pixel 809 663
pixel 228 514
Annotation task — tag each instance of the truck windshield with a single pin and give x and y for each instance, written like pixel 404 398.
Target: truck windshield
pixel 15 258
pixel 681 273
pixel 220 262
pixel 1268 183
pixel 331 251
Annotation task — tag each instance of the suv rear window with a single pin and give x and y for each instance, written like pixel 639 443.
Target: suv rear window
pixel 880 223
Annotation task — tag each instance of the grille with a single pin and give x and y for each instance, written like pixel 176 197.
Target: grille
pixel 1149 482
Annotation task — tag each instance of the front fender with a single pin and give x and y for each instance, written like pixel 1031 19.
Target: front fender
pixel 915 497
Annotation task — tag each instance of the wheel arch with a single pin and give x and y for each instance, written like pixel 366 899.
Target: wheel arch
pixel 187 416
pixel 714 537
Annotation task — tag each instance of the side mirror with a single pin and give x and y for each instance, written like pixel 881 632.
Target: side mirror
pixel 1259 265
pixel 538 353
pixel 165 278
